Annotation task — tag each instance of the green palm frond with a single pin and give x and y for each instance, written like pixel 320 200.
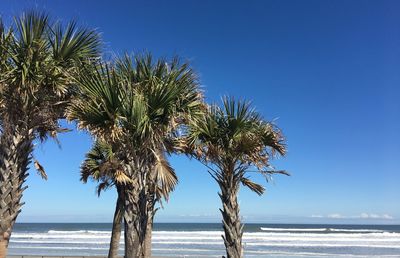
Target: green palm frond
pixel 97 109
pixel 72 43
pixel 100 156
pixel 232 139
pixel 39 63
pixel 103 166
pixel 141 99
pixel 31 28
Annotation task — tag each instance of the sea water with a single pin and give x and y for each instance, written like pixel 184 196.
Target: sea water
pixel 204 240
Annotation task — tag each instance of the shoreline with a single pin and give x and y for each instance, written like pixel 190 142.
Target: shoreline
pixel 66 256
pixel 204 240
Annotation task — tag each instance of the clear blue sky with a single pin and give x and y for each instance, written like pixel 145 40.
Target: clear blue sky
pixel 328 71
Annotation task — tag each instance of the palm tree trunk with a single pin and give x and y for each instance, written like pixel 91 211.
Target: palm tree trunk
pixel 132 247
pixel 3 248
pixel 135 233
pixel 135 223
pixel 15 150
pixel 233 228
pixel 149 231
pixel 138 217
pixel 138 229
pixel 117 225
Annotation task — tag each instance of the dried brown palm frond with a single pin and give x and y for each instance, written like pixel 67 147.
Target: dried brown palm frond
pixel 121 178
pixel 40 170
pixel 165 177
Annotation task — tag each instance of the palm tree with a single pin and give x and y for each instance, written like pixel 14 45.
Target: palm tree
pixel 138 106
pixel 231 142
pixel 103 166
pixel 39 60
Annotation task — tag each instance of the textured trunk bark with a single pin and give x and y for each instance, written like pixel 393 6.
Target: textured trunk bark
pixel 15 150
pixel 131 233
pixel 117 226
pixel 135 224
pixel 233 228
pixel 149 230
pixel 3 248
pixel 138 214
pixel 138 227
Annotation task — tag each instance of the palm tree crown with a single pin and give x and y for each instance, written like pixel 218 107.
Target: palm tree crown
pixel 40 60
pixel 233 139
pixel 137 104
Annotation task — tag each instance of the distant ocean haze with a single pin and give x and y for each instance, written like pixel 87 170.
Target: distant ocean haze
pixel 204 240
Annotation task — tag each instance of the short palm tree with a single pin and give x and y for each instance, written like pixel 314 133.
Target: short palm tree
pixel 103 166
pixel 39 62
pixel 138 106
pixel 231 142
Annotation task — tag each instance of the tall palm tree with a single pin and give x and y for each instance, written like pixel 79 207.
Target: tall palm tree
pixel 138 106
pixel 39 61
pixel 231 142
pixel 103 166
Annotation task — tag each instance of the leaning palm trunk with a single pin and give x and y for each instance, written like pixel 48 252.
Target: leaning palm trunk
pixel 117 225
pixel 231 219
pixel 15 149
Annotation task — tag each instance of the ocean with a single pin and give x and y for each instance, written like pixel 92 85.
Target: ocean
pixel 204 240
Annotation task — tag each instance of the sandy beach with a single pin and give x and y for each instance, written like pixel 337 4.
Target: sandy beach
pixel 45 256
pixel 36 256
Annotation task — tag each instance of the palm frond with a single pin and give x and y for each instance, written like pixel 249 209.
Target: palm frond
pixel 98 107
pixel 31 27
pixel 103 186
pixel 233 134
pixel 121 178
pixel 257 188
pixel 166 177
pixel 39 168
pixel 74 44
pixel 98 163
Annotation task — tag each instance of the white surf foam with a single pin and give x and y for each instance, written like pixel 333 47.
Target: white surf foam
pixel 269 239
pixel 320 230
